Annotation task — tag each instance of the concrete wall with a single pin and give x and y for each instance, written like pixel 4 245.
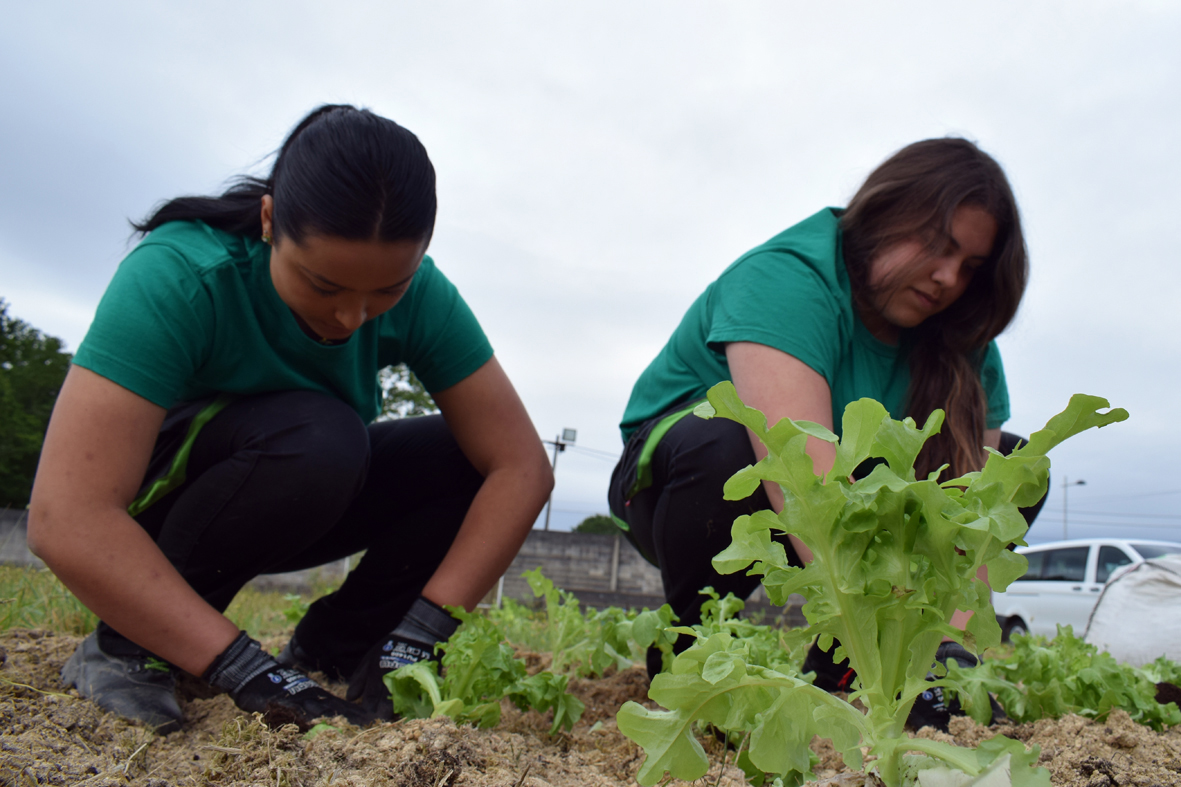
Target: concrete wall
pixel 605 571
pixel 14 548
pixel 14 551
pixel 601 570
pixel 594 564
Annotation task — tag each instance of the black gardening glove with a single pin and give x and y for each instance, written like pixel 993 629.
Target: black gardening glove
pixel 932 708
pixel 259 684
pixel 414 640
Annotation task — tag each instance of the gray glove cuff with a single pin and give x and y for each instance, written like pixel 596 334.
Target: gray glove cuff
pixel 243 661
pixel 426 622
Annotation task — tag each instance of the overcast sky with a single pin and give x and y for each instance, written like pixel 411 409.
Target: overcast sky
pixel 600 163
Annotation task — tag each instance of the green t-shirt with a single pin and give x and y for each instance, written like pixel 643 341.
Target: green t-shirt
pixel 192 311
pixel 791 293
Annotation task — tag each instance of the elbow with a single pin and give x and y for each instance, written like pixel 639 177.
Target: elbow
pixel 39 522
pixel 545 480
pixel 539 481
pixel 45 536
pixel 39 542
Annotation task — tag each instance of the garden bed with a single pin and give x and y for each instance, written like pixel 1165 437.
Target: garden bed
pixel 48 735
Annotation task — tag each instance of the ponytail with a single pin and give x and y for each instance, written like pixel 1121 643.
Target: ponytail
pixel 342 172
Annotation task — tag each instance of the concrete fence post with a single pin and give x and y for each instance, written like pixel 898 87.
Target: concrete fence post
pixel 615 565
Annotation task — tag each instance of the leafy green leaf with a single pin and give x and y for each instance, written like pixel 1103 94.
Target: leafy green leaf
pixel 667 740
pixel 859 429
pixel 751 544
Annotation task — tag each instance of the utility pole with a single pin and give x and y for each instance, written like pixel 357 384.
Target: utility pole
pixel 559 443
pixel 1066 484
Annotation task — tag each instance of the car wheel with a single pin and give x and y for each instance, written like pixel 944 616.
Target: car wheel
pixel 1014 625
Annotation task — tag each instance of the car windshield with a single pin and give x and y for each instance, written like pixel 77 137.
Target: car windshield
pixel 1149 551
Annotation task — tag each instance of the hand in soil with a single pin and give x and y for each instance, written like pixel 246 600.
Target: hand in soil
pixel 392 652
pixel 259 684
pixel 415 639
pixel 296 699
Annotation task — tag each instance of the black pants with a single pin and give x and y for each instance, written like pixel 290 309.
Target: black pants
pixel 291 480
pixel 681 521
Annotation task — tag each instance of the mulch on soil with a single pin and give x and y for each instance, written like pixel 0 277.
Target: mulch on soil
pixel 50 736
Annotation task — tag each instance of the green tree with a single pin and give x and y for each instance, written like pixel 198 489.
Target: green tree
pixel 32 368
pixel 403 394
pixel 597 523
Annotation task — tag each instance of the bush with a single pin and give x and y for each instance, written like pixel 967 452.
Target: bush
pixel 32 369
pixel 597 523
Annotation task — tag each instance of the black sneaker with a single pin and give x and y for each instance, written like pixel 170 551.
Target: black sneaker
pixel 933 709
pixel 134 687
pixel 832 676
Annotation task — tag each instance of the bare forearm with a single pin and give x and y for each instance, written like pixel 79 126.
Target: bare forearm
pixel 782 386
pixel 116 570
pixel 94 458
pixel 496 525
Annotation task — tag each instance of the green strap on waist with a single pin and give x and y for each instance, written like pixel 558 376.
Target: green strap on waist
pixel 176 474
pixel 644 466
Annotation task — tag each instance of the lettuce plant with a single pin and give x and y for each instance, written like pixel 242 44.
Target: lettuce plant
pixel 587 644
pixel 479 670
pixel 895 556
pixel 1050 679
pixel 480 667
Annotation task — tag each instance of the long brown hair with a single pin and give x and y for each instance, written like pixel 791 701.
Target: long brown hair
pixel 914 194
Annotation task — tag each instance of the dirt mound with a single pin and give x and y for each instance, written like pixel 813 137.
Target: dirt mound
pixel 50 736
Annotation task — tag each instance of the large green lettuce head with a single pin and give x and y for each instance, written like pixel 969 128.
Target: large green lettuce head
pixel 894 557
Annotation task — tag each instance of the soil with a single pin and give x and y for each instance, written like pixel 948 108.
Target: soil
pixel 48 735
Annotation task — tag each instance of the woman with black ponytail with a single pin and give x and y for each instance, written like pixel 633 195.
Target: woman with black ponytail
pixel 897 297
pixel 218 423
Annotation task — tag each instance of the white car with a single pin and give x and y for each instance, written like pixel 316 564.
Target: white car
pixel 1064 581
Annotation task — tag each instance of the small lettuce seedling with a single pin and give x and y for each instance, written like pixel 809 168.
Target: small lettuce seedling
pixel 588 644
pixel 895 556
pixel 480 669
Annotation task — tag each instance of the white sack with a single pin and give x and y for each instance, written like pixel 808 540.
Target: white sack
pixel 1138 615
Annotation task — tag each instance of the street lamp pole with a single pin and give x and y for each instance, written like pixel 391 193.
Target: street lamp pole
pixel 1066 484
pixel 559 443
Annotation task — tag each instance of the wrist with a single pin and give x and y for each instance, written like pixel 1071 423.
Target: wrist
pixel 426 621
pixel 241 662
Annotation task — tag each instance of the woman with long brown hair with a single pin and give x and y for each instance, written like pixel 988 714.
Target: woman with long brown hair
pixel 898 297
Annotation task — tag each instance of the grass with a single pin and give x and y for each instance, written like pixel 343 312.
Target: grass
pixel 36 599
pixel 263 614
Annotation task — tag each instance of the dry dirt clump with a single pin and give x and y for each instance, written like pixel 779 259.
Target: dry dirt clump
pixel 50 736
